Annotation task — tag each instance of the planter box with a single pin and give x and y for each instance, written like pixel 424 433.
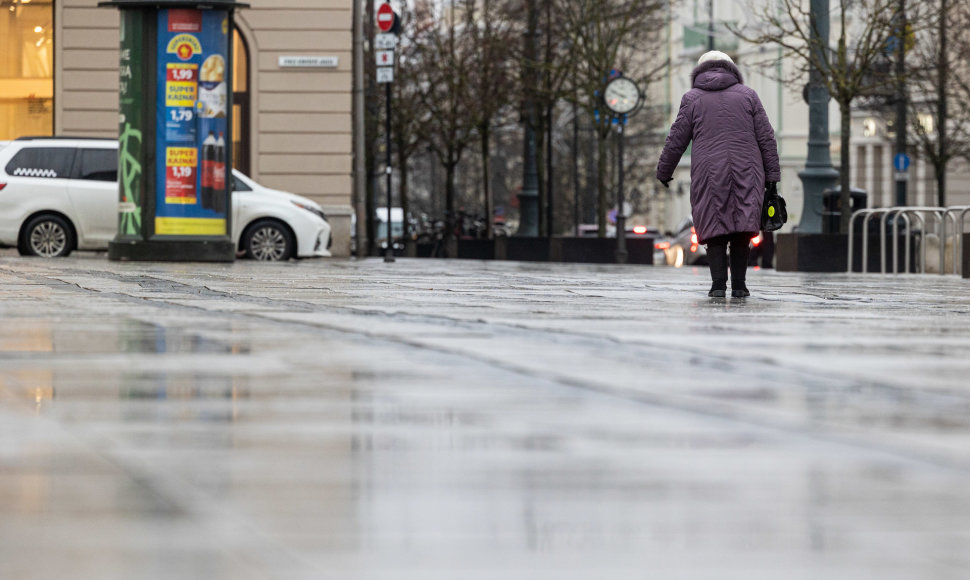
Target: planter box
pixel 587 250
pixel 527 249
pixel 580 250
pixel 476 249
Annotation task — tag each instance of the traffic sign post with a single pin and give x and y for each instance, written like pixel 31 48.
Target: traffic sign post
pixel 385 41
pixel 901 162
pixel 385 17
pixel 385 74
pixel 384 55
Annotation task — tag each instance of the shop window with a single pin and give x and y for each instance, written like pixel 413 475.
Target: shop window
pixel 240 104
pixel 26 68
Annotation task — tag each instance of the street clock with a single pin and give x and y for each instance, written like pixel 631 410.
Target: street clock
pixel 622 96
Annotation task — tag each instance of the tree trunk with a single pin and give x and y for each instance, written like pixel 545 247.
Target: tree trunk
pixel 845 200
pixel 486 181
pixel 942 73
pixel 402 163
pixel 602 197
pixel 540 132
pixel 450 217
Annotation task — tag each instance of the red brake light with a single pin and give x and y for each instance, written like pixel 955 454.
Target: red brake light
pixel 756 240
pixel 662 246
pixel 693 236
pixel 639 230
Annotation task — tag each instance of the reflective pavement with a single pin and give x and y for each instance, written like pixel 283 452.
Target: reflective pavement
pixel 446 420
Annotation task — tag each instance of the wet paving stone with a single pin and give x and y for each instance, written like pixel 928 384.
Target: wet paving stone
pixel 451 419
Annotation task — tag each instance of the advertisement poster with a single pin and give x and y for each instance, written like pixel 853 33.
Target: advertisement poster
pixel 191 128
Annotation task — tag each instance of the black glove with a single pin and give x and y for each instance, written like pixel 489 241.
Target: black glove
pixel 771 189
pixel 667 182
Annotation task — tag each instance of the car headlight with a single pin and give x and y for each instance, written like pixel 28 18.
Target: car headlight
pixel 314 210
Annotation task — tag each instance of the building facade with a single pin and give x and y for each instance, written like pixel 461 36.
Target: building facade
pixel 292 93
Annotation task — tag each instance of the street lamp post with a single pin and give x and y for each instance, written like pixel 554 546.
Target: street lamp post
pixel 818 174
pixel 901 99
pixel 529 196
pixel 623 99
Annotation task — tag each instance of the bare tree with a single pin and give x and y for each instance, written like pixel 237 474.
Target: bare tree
pixel 492 80
pixel 938 81
pixel 406 119
pixel 959 77
pixel 864 28
pixel 602 35
pixel 444 63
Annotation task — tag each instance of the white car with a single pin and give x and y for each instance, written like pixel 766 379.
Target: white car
pixel 60 194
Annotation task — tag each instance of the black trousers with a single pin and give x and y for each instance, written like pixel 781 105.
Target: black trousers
pixel 717 256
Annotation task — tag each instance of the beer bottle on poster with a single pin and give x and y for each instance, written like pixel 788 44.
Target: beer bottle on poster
pixel 219 175
pixel 208 170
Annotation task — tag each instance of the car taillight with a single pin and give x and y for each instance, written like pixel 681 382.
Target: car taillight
pixel 2 185
pixel 662 246
pixel 693 240
pixel 639 230
pixel 756 240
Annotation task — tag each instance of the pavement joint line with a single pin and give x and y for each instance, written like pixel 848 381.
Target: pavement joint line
pixel 694 404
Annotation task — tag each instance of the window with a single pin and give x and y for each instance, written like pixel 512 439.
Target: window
pixel 99 164
pixel 42 162
pixel 239 185
pixel 26 68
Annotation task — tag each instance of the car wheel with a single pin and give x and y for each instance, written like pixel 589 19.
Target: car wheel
pixel 268 241
pixel 48 236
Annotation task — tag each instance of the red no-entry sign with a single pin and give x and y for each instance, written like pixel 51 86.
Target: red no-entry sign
pixel 385 17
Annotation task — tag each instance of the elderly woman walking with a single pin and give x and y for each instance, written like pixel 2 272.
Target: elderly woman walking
pixel 734 162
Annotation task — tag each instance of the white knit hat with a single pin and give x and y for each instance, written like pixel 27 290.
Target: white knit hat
pixel 714 55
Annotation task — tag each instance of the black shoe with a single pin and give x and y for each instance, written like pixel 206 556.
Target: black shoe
pixel 717 292
pixel 740 292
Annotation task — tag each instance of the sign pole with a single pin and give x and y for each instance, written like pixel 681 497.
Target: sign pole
pixel 621 253
pixel 386 19
pixel 389 252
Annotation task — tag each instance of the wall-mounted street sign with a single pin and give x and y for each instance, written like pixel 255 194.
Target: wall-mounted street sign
pixel 386 41
pixel 309 62
pixel 385 74
pixel 385 57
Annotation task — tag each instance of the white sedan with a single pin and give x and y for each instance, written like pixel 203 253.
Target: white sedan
pixel 60 195
pixel 268 224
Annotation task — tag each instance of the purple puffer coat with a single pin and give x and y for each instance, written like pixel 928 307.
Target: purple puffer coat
pixel 734 151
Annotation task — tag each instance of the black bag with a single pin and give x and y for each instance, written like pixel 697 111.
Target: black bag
pixel 774 213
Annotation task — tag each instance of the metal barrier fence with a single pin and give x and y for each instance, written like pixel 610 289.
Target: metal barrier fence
pixel 940 217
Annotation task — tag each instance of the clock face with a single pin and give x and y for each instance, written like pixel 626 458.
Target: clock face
pixel 622 95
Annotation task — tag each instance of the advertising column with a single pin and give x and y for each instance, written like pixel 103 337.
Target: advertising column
pixel 131 128
pixel 191 172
